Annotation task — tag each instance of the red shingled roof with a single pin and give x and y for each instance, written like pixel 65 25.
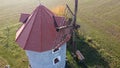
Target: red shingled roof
pixel 38 33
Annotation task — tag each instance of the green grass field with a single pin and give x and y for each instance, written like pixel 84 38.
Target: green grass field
pixel 99 21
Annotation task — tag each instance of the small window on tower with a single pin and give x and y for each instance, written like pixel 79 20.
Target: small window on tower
pixel 55 50
pixel 56 60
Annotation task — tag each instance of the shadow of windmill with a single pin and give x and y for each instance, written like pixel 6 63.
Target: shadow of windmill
pixel 92 57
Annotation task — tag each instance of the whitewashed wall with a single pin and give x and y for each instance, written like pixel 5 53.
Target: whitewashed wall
pixel 45 59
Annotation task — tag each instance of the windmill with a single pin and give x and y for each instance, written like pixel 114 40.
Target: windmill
pixel 44 37
pixel 73 26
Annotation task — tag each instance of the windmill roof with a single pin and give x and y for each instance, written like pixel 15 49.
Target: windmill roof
pixel 38 33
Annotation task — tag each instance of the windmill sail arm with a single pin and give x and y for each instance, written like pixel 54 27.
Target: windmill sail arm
pixel 76 7
pixel 55 22
pixel 75 13
pixel 64 27
pixel 69 9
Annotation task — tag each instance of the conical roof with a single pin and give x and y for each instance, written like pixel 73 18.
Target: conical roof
pixel 39 33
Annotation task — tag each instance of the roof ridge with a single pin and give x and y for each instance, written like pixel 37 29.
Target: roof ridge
pixel 35 13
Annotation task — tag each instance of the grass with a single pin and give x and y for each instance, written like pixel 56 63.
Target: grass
pixel 99 21
pixel 10 51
